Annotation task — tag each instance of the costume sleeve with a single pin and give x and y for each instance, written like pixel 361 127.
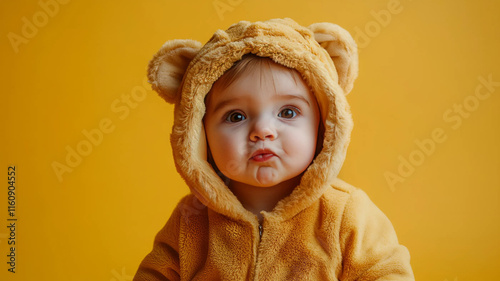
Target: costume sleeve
pixel 369 244
pixel 162 263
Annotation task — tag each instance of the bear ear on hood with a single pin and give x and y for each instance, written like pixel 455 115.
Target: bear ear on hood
pixel 342 49
pixel 167 67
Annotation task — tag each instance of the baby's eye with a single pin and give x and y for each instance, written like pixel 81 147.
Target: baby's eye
pixel 287 113
pixel 235 116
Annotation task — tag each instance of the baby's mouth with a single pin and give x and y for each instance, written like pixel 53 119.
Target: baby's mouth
pixel 262 155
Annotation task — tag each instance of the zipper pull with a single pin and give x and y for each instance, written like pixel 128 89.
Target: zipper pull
pixel 260 230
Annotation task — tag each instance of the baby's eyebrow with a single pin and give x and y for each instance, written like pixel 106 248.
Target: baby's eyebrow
pixel 280 97
pixel 225 102
pixel 293 97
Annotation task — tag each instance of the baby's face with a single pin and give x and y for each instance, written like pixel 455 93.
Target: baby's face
pixel 262 129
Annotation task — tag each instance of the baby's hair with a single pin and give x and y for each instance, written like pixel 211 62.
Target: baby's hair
pixel 248 62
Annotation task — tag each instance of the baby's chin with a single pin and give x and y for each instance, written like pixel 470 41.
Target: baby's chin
pixel 260 177
pixel 265 180
pixel 252 183
pixel 266 176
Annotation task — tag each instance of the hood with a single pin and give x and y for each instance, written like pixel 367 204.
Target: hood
pixel 183 72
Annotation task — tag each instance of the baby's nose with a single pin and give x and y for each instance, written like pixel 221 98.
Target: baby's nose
pixel 263 129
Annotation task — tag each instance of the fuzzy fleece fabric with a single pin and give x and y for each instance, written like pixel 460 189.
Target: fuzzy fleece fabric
pixel 325 229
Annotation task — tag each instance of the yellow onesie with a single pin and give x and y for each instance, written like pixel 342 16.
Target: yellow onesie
pixel 325 229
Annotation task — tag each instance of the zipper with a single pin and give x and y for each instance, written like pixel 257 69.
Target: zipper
pixel 261 230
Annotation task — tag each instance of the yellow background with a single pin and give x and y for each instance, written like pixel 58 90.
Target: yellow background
pixel 88 56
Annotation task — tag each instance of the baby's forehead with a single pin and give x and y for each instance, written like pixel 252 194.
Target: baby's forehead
pixel 268 73
pixel 258 70
pixel 263 82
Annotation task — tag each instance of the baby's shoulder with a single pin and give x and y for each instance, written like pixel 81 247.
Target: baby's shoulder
pixel 342 190
pixel 342 194
pixel 343 187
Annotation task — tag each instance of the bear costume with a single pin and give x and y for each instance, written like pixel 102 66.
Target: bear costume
pixel 325 229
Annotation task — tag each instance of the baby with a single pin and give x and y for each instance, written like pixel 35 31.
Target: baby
pixel 260 133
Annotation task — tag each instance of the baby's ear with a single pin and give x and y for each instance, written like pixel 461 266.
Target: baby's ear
pixel 166 69
pixel 342 49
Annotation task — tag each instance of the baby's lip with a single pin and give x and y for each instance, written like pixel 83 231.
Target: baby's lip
pixel 262 154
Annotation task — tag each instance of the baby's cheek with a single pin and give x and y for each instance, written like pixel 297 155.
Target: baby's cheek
pixel 302 145
pixel 230 156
